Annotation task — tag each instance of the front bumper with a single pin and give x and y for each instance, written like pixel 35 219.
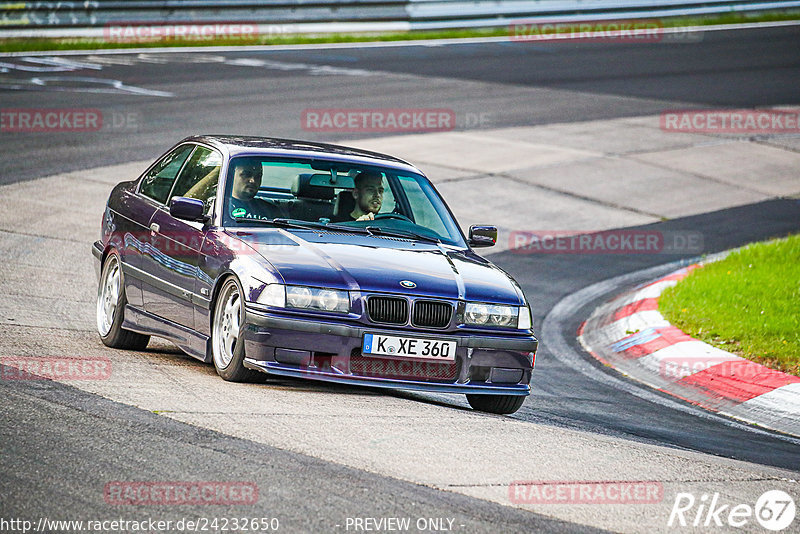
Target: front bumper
pixel 303 348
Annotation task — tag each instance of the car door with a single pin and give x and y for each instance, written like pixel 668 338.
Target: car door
pixel 152 191
pixel 175 244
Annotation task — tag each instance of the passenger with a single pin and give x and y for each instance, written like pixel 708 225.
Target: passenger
pixel 246 183
pixel 368 194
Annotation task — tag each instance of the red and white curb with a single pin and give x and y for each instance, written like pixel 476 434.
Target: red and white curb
pixel 629 334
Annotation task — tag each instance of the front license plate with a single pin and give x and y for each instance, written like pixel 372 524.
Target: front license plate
pixel 409 347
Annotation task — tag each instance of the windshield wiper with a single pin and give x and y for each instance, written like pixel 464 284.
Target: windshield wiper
pixel 305 225
pixel 297 223
pixel 402 233
pixel 310 225
pixel 286 223
pixel 351 229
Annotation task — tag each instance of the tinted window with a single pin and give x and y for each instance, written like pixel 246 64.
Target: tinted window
pixel 199 176
pixel 158 182
pixel 261 188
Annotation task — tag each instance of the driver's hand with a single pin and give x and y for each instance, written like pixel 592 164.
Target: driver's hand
pixel 367 217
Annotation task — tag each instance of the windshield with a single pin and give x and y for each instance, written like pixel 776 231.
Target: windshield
pixel 335 195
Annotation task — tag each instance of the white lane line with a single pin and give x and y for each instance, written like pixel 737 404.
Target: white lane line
pixel 553 335
pixel 374 44
pixel 61 62
pixel 313 70
pixel 93 85
pixel 31 68
pixel 98 85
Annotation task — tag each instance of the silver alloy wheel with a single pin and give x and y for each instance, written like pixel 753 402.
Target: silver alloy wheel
pixel 226 325
pixel 108 295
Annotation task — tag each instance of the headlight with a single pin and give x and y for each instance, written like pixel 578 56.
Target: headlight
pixel 330 300
pixel 306 298
pixel 313 298
pixel 298 297
pixel 273 295
pixel 476 313
pixel 490 315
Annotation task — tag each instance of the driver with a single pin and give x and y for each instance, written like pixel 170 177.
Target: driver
pixel 368 194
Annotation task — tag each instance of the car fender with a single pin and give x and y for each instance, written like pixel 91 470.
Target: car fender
pixel 253 276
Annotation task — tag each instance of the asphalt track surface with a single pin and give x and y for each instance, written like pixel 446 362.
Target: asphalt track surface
pixel 511 83
pixel 77 440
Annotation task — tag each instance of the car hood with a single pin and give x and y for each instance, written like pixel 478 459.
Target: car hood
pixel 379 264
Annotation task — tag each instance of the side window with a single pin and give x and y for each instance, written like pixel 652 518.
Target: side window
pixel 158 182
pixel 200 176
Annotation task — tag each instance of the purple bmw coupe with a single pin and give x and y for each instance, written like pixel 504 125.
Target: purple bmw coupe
pixel 310 260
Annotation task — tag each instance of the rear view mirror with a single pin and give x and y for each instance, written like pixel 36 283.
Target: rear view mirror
pixel 330 166
pixel 482 236
pixel 327 180
pixel 187 209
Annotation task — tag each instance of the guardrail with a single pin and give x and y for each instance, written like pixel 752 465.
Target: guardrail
pixel 88 18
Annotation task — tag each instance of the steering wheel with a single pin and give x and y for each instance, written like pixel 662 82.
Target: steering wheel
pixel 393 215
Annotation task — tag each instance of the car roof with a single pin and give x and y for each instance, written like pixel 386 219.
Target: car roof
pixel 238 145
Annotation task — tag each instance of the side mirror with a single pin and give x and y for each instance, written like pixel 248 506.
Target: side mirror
pixel 187 209
pixel 482 236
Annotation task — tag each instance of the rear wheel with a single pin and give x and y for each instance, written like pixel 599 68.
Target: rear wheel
pixel 111 303
pixel 499 404
pixel 227 345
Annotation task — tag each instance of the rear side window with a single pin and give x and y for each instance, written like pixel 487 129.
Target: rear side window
pixel 158 182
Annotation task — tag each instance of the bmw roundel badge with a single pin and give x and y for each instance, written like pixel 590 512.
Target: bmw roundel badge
pixel 408 284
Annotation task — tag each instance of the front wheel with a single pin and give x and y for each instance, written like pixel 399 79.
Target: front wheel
pixel 499 404
pixel 111 303
pixel 227 345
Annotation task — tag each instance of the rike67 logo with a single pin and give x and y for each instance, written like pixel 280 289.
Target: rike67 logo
pixel 774 510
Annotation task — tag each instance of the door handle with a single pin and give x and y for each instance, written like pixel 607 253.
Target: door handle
pixel 155 227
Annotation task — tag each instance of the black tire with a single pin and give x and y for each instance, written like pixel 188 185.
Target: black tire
pixel 499 404
pixel 229 360
pixel 111 310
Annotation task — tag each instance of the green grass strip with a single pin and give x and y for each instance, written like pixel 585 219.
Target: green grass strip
pixel 44 44
pixel 748 304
